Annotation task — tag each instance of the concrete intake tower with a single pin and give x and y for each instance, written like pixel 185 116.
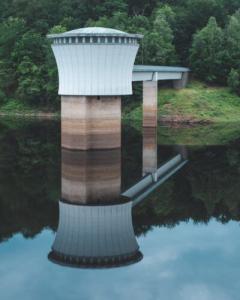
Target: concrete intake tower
pixel 95 68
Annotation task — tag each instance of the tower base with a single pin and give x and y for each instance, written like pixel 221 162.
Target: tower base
pixel 91 122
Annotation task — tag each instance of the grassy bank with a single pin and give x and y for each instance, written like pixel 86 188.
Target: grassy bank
pixel 198 103
pixel 14 108
pixel 215 111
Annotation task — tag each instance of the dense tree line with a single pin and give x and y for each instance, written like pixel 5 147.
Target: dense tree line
pixel 202 34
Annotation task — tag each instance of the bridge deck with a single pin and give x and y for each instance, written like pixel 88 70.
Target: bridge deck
pixel 145 73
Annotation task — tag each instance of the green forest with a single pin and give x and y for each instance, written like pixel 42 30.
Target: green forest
pixel 201 34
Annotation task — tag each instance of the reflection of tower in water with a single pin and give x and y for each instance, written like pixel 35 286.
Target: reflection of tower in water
pixel 91 177
pixel 95 223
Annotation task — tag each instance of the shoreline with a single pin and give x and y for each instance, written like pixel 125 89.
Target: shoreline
pixel 41 115
pixel 170 131
pixel 179 120
pixel 171 120
pixel 192 106
pixel 162 120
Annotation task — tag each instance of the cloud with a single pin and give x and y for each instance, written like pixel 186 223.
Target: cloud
pixel 201 292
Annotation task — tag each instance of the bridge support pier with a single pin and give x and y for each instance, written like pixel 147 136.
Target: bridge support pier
pixel 150 95
pixel 181 83
pixel 91 122
pixel 149 150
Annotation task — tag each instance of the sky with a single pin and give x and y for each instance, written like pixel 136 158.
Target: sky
pixel 187 262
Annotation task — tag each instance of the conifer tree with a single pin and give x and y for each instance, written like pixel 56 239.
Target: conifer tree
pixel 207 52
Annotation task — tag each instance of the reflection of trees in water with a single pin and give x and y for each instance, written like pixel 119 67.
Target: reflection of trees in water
pixel 29 177
pixel 207 187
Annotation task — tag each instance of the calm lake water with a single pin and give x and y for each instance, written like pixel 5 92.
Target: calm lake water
pixel 187 229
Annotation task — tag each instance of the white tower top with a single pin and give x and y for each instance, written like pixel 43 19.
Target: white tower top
pixel 94 31
pixel 95 61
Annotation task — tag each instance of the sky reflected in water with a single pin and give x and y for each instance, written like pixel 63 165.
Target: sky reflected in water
pixel 190 261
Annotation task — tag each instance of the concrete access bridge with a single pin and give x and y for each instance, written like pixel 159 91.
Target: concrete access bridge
pixel 150 75
pixel 96 67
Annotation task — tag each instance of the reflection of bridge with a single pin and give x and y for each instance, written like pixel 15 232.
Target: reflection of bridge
pixel 152 181
pixel 154 176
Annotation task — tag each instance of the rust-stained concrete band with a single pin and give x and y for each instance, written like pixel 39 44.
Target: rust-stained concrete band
pixel 91 122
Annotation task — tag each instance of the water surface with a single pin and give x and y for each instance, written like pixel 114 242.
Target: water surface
pixel 187 230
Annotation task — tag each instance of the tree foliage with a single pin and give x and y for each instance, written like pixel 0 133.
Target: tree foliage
pixel 234 81
pixel 207 52
pixel 175 32
pixel 232 42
